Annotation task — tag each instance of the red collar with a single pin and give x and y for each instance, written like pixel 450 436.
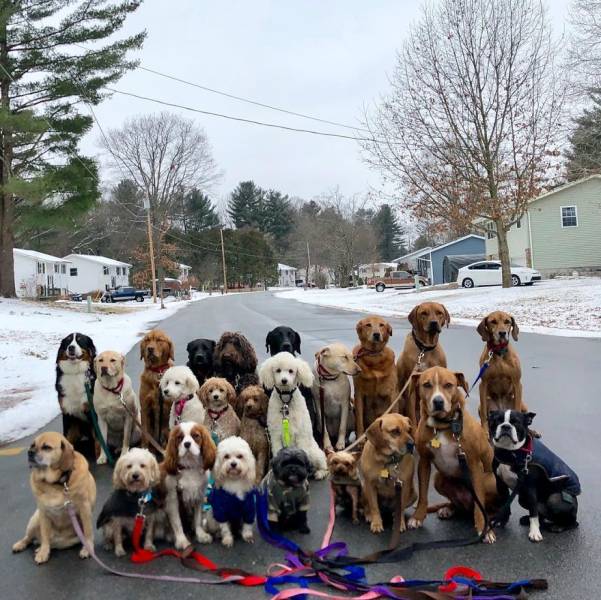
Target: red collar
pixel 117 389
pixel 498 349
pixel 323 373
pixel 178 405
pixel 214 414
pixel 365 352
pixel 160 369
pixel 527 447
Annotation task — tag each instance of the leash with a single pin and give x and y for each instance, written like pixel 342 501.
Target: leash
pixel 94 417
pixel 285 411
pixel 482 370
pixel 142 429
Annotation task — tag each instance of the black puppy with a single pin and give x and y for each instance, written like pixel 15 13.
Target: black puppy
pixel 200 358
pixel 544 484
pixel 287 488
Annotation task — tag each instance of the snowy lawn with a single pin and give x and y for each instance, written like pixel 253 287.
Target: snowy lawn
pixel 562 306
pixel 29 338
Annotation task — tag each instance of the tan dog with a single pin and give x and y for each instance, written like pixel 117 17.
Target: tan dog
pixel 58 474
pixel 157 352
pixel 442 407
pixel 344 477
pixel 387 459
pixel 219 398
pixel 422 349
pixel 253 427
pixel 376 383
pixel 501 383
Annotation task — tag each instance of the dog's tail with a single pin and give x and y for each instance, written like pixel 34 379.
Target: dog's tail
pixel 436 507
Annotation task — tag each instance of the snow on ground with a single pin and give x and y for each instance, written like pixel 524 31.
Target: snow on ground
pixel 29 338
pixel 562 306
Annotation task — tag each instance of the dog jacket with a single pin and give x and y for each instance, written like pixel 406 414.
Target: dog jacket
pixel 286 501
pixel 229 508
pixel 122 503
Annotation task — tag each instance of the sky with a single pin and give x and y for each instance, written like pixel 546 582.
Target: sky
pixel 325 59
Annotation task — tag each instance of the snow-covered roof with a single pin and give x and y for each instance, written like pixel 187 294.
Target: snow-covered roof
pixel 378 264
pixel 283 267
pixel 414 254
pixel 465 237
pixel 183 266
pixel 101 260
pixel 39 256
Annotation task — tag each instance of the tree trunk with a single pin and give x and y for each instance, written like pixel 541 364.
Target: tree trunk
pixel 158 246
pixel 503 253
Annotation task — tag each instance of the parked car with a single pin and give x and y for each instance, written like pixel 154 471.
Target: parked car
pixel 76 297
pixel 488 272
pixel 123 293
pixel 397 280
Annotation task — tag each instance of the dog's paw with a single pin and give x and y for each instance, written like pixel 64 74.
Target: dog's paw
pixel 101 460
pixel 340 445
pixel 321 474
pixel 120 551
pixel 247 536
pixel 403 526
pixel 356 521
pixel 42 555
pixel 19 546
pixel 376 525
pixel 414 523
pixel 203 537
pixel 489 537
pixel 85 553
pixel 227 540
pixel 150 547
pixel 446 512
pixel 534 535
pixel 181 542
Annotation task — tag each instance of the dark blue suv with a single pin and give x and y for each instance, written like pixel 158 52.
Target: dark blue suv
pixel 123 293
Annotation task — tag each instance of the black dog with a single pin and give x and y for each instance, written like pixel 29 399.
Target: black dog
pixel 545 485
pixel 200 358
pixel 287 488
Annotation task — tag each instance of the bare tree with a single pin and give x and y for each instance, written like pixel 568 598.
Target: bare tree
pixel 165 155
pixel 584 48
pixel 468 129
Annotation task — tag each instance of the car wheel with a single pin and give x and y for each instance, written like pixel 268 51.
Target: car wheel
pixel 139 298
pixel 515 280
pixel 380 287
pixel 467 283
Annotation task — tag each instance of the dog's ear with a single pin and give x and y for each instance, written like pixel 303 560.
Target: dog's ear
pixel 461 382
pixel 359 327
pixel 67 456
pixel 170 460
pixel 297 343
pixel 142 348
pixel 118 483
pixel 266 374
pixel 155 473
pixel 305 374
pixel 447 316
pixel 95 366
pixel 268 342
pixel 389 329
pixel 231 394
pixel 204 391
pixel 515 330
pixel 192 382
pixel 375 431
pixel 482 329
pixel 412 316
pixel 529 418
pixel 122 361
pixel 209 450
pixel 171 349
pixel 325 351
pixel 189 347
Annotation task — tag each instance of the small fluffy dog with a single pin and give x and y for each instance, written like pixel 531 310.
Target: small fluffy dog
pixel 287 414
pixel 112 388
pixel 179 387
pixel 58 473
pixel 184 475
pixel 254 401
pixel 219 399
pixel 344 477
pixel 200 358
pixel 75 369
pixel 333 366
pixel 136 474
pixel 232 499
pixel 235 359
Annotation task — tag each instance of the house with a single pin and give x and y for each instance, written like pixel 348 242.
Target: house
pixel 376 269
pixel 89 273
pixel 184 272
pixel 409 262
pixel 40 275
pixel 559 232
pixel 286 275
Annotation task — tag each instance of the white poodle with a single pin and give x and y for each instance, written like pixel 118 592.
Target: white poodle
pixel 180 387
pixel 282 374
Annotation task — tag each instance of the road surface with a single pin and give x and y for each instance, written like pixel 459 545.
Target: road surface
pixel 561 381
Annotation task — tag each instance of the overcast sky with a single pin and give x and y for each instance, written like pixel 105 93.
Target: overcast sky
pixel 326 59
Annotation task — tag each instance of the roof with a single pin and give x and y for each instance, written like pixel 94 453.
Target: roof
pixel 414 254
pixel 465 237
pixel 39 256
pixel 374 264
pixel 183 266
pixel 283 267
pixel 101 260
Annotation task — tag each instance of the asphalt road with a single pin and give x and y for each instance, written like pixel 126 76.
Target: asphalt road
pixel 562 384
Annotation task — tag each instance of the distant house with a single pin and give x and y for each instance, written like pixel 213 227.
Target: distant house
pixel 40 275
pixel 559 232
pixel 410 261
pixel 184 272
pixel 376 269
pixel 89 273
pixel 286 275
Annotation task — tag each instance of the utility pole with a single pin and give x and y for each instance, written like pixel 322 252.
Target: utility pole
pixel 151 250
pixel 308 267
pixel 223 261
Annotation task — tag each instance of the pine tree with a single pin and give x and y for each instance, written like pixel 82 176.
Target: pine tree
pixel 584 155
pixel 389 233
pixel 278 217
pixel 43 81
pixel 199 212
pixel 246 205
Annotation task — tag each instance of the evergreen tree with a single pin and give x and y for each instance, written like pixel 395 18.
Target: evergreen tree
pixel 199 212
pixel 389 233
pixel 246 205
pixel 584 155
pixel 42 85
pixel 278 217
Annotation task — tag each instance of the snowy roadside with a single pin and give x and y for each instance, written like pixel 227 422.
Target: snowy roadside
pixel 29 339
pixel 562 306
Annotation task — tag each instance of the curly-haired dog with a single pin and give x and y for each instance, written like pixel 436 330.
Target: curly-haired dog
pixel 235 359
pixel 157 352
pixel 200 358
pixel 56 468
pixel 288 420
pixel 344 476
pixel 135 476
pixel 179 387
pixel 219 399
pixel 254 402
pixel 232 499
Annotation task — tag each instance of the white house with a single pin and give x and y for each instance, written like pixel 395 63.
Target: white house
pixel 38 274
pixel 376 269
pixel 89 273
pixel 286 276
pixel 184 272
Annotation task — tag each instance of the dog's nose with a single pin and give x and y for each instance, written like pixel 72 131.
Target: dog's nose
pixel 104 370
pixel 505 427
pixel 376 336
pixel 233 464
pixel 166 392
pixel 215 396
pixel 187 444
pixel 438 403
pixel 135 476
pixel 284 381
pixel 502 334
pixel 71 349
pixel 199 360
pixel 31 454
pixel 286 348
pixel 433 326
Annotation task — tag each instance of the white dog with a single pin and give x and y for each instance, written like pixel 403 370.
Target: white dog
pixel 232 499
pixel 180 386
pixel 112 389
pixel 282 374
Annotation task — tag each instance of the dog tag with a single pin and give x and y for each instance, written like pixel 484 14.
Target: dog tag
pixel 384 474
pixel 435 442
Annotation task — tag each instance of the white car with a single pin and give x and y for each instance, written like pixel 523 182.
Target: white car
pixel 488 272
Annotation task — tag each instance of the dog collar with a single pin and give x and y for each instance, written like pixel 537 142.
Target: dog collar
pixel 365 352
pixel 455 424
pixel 160 369
pixel 420 345
pixel 215 414
pixel 178 406
pixel 283 394
pixel 323 373
pixel 117 389
pixel 498 349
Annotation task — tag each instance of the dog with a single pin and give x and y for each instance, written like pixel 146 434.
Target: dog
pixel 422 349
pixel 219 399
pixel 376 383
pixel 232 499
pixel 546 486
pixel 75 371
pixel 501 382
pixel 59 473
pixel 287 489
pixel 344 477
pixel 135 477
pixel 444 424
pixel 253 425
pixel 179 387
pixel 157 352
pixel 200 358
pixel 333 366
pixel 386 461
pixel 113 389
pixel 235 359
pixel 190 454
pixel 288 420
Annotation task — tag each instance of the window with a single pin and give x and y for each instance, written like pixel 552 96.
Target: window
pixel 569 216
pixel 493 266
pixel 490 230
pixel 73 272
pixel 41 267
pixel 118 270
pixel 63 269
pixel 105 270
pixel 478 267
pixel 57 268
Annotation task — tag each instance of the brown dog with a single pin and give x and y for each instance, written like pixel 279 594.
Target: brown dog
pixel 157 352
pixel 422 349
pixel 344 477
pixel 376 384
pixel 501 383
pixel 58 474
pixel 253 427
pixel 387 459
pixel 446 429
